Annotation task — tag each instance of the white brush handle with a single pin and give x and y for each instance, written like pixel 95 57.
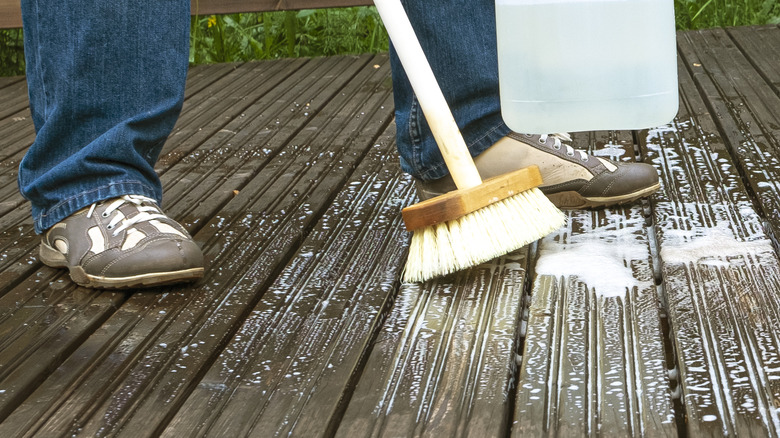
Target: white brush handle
pixel 451 144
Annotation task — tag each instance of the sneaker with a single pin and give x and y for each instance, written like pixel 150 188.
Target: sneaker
pixel 572 178
pixel 120 243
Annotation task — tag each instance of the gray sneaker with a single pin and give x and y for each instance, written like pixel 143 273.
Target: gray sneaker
pixel 120 243
pixel 572 178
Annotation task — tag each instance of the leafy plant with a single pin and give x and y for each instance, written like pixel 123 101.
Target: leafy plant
pixel 11 52
pixel 268 35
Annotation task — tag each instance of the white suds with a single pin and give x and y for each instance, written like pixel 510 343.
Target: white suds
pixel 711 246
pixel 599 256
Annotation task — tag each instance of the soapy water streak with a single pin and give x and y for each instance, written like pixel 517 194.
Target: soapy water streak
pixel 719 272
pixel 715 246
pixel 601 256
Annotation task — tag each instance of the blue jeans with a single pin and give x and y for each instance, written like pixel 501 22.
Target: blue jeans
pixel 459 40
pixel 106 81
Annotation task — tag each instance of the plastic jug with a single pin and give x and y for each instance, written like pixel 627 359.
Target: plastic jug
pixel 581 65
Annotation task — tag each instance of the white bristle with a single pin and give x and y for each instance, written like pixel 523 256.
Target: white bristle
pixel 481 236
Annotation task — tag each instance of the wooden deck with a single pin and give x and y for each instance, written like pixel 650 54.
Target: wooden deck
pixel 656 320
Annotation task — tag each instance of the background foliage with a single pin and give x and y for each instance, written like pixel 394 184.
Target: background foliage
pixel 268 35
pixel 322 32
pixel 703 14
pixel 11 52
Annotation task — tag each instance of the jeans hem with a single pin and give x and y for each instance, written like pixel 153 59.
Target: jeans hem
pixel 47 218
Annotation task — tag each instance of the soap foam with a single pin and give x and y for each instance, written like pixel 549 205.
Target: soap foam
pixel 601 257
pixel 710 246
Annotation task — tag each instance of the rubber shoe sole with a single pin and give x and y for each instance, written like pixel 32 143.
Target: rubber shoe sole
pixel 55 259
pixel 573 200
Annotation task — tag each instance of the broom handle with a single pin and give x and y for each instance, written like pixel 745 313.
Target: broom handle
pixel 445 131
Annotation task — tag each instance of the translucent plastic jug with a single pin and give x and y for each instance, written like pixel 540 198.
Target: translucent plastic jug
pixel 581 65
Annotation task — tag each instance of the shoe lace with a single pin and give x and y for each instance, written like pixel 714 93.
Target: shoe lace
pixel 559 138
pixel 147 210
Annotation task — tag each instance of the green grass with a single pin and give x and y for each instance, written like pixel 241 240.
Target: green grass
pixel 323 32
pixel 703 14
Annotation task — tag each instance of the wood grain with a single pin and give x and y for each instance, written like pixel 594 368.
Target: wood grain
pixel 458 203
pixel 594 357
pixel 720 272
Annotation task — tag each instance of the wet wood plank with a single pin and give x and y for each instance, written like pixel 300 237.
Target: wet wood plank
pixel 746 109
pixel 721 275
pixel 49 319
pixel 18 249
pixel 442 365
pixel 234 155
pixel 264 225
pixel 16 129
pixel 18 133
pixel 290 367
pixel 221 102
pixel 19 136
pixel 594 359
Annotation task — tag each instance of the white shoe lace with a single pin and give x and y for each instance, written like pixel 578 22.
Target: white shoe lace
pixel 145 212
pixel 559 138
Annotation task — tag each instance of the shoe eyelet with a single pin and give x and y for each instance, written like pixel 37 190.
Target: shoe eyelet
pixel 104 214
pixel 542 141
pixel 557 147
pixel 570 154
pixel 587 157
pixel 110 227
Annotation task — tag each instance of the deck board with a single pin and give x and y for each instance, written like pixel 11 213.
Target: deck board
pixel 319 315
pixel 252 226
pixel 748 109
pixel 594 358
pixel 15 100
pixel 656 319
pixel 720 272
pixel 441 361
pixel 760 45
pixel 7 81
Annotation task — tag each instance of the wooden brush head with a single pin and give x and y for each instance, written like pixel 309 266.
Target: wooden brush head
pixel 458 203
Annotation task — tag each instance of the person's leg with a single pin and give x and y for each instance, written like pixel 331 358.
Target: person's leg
pixel 106 84
pixel 459 39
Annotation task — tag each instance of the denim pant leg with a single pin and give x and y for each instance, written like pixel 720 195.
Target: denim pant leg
pixel 106 81
pixel 459 40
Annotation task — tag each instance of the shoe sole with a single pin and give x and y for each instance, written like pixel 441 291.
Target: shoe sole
pixel 55 259
pixel 573 200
